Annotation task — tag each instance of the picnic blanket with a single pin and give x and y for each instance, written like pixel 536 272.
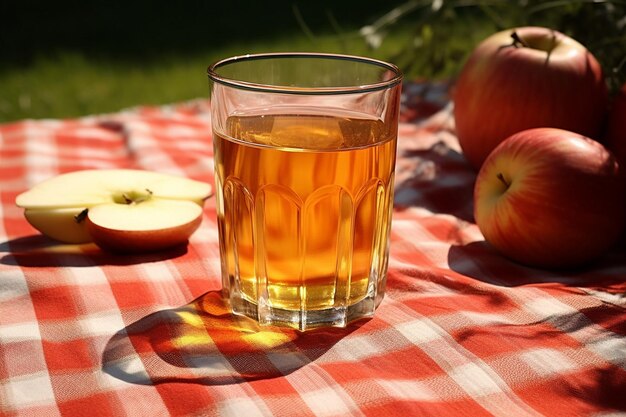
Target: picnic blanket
pixel 462 331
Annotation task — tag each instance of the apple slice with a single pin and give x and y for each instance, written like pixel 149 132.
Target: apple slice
pixel 144 226
pixel 60 207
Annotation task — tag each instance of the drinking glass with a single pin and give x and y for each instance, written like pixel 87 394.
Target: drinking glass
pixel 304 148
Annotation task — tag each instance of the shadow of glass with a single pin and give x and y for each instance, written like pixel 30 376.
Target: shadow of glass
pixel 481 261
pixel 202 342
pixel 40 251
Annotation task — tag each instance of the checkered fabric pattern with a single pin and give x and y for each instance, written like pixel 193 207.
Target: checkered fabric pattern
pixel 461 331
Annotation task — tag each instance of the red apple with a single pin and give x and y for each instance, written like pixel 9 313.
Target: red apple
pixel 550 198
pixel 616 126
pixel 524 78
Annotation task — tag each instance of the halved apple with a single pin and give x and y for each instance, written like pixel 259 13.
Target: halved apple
pixel 122 209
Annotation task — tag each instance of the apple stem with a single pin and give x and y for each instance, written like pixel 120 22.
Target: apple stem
pixel 80 217
pixel 506 183
pixel 517 41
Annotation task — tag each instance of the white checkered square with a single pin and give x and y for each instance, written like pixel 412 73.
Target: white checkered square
pixel 19 332
pixel 102 324
pixel 156 271
pixel 548 306
pixel 475 380
pixel 242 407
pixel 356 348
pixel 547 362
pixel 612 349
pixel 12 284
pixel 326 402
pixel 418 332
pixel 408 390
pixel 30 390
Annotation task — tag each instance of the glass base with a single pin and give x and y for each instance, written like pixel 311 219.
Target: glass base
pixel 302 319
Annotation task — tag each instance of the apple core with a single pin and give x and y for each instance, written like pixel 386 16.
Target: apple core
pixel 132 197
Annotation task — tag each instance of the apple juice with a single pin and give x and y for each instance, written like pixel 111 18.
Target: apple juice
pixel 304 205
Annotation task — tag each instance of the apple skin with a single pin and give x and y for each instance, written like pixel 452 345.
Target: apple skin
pixel 616 126
pixel 134 242
pixel 562 207
pixel 59 224
pixel 503 89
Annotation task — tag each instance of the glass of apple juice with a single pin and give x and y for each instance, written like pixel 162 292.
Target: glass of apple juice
pixel 305 148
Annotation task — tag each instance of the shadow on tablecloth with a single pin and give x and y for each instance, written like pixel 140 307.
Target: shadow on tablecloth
pixel 431 172
pixel 482 262
pixel 437 179
pixel 202 342
pixel 40 251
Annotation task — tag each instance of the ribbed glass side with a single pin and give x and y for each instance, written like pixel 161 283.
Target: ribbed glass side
pixel 301 263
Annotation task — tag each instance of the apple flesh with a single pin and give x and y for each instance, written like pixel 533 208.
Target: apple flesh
pixel 525 78
pixel 121 209
pixel 550 198
pixel 143 227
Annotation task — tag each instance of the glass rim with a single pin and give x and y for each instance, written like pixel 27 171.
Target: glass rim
pixel 285 89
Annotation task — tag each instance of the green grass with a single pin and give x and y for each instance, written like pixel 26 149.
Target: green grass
pixel 67 59
pixel 71 84
pixel 71 58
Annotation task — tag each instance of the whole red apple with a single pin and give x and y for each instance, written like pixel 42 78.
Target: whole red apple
pixel 524 78
pixel 616 126
pixel 550 198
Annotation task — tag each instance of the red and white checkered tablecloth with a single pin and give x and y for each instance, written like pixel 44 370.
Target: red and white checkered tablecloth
pixel 461 331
